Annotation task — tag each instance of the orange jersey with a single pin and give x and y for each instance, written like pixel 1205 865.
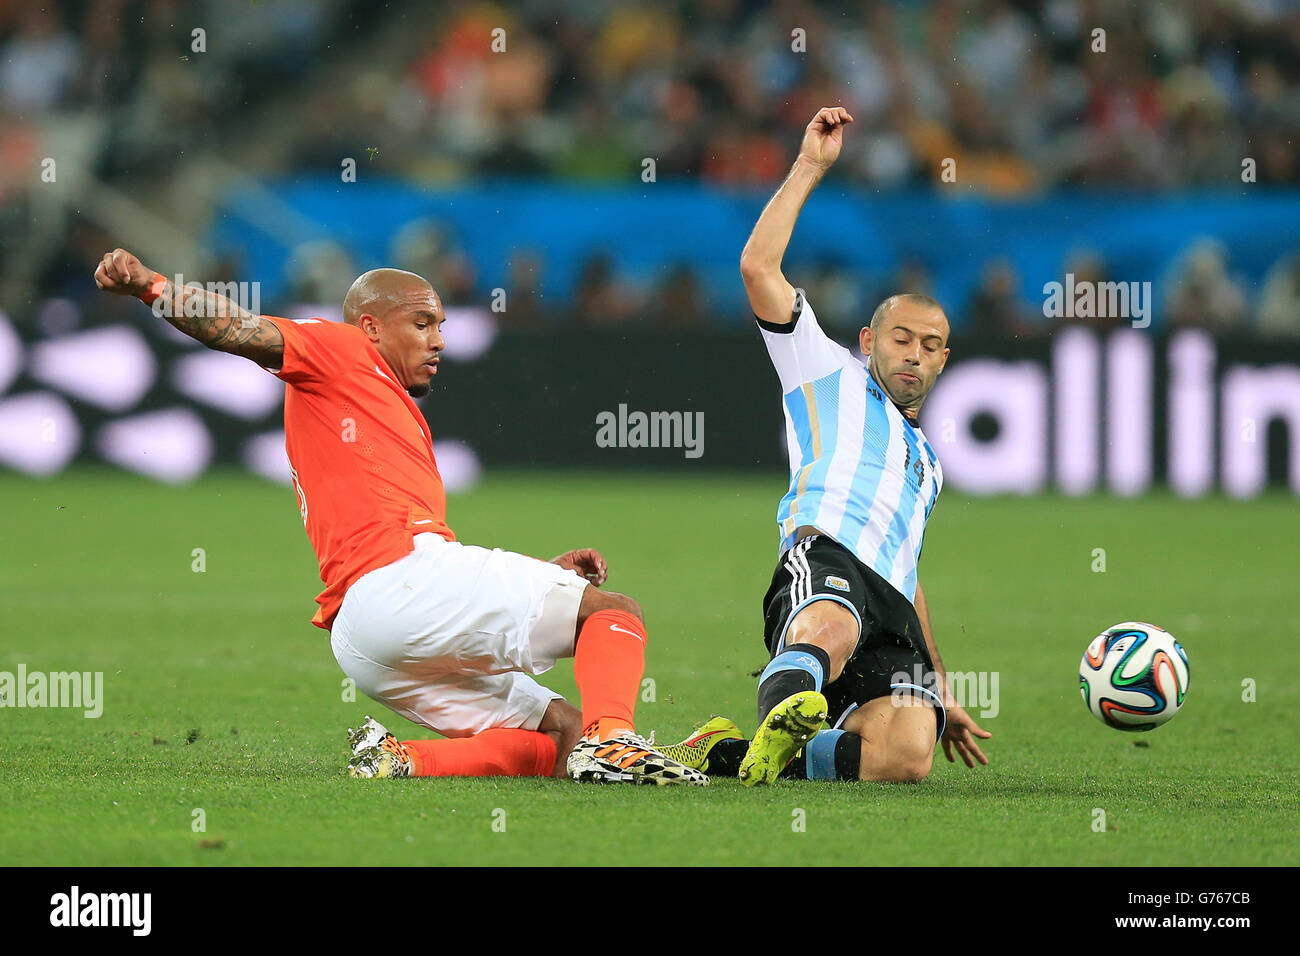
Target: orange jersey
pixel 361 454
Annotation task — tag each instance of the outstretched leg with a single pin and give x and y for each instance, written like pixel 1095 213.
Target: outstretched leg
pixel 898 735
pixel 608 661
pixel 889 739
pixel 502 752
pixel 494 752
pixel 819 641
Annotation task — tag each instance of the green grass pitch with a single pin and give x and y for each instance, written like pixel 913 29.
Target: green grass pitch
pixel 220 697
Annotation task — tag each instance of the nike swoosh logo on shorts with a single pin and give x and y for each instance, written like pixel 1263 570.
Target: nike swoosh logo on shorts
pixel 615 627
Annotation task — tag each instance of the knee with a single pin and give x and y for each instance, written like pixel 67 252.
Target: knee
pixel 621 602
pixel 837 638
pixel 595 600
pixel 632 607
pixel 909 765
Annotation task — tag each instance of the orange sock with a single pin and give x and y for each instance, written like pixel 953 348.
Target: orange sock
pixel 500 752
pixel 608 665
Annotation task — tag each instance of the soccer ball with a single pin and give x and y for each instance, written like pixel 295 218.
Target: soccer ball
pixel 1133 676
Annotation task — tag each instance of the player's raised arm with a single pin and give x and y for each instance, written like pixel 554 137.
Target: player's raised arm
pixel 205 316
pixel 770 294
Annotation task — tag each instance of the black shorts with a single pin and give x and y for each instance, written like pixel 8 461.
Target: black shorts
pixel 891 655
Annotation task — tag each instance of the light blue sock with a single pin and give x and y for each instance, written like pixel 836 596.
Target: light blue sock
pixel 819 755
pixel 795 660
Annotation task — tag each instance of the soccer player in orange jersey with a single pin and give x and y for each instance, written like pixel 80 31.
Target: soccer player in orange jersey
pixel 445 634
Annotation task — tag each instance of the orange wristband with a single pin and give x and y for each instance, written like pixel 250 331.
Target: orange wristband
pixel 156 288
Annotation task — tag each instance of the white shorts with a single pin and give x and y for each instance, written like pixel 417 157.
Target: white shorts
pixel 447 635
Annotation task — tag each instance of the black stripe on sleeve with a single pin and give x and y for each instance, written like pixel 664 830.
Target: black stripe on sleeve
pixel 787 328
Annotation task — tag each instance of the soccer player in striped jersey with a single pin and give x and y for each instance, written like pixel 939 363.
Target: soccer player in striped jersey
pixel 845 617
pixel 446 634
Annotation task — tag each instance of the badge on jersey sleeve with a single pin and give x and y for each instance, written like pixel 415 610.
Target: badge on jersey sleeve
pixel 838 584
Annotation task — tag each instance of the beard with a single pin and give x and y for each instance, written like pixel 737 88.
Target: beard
pixel 418 391
pixel 887 383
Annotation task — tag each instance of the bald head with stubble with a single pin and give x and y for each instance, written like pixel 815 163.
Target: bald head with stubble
pixel 402 316
pixel 906 347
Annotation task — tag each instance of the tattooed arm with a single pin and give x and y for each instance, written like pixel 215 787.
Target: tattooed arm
pixel 205 316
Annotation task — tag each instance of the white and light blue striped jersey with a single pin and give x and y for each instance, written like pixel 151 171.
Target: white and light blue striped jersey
pixel 860 472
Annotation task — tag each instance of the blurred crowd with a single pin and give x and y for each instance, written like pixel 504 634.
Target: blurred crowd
pixel 1020 92
pixel 1024 95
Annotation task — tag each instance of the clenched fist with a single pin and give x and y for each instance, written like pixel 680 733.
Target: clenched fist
pixel 122 273
pixel 824 136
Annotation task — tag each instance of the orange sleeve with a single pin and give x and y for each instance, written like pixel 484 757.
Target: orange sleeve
pixel 314 349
